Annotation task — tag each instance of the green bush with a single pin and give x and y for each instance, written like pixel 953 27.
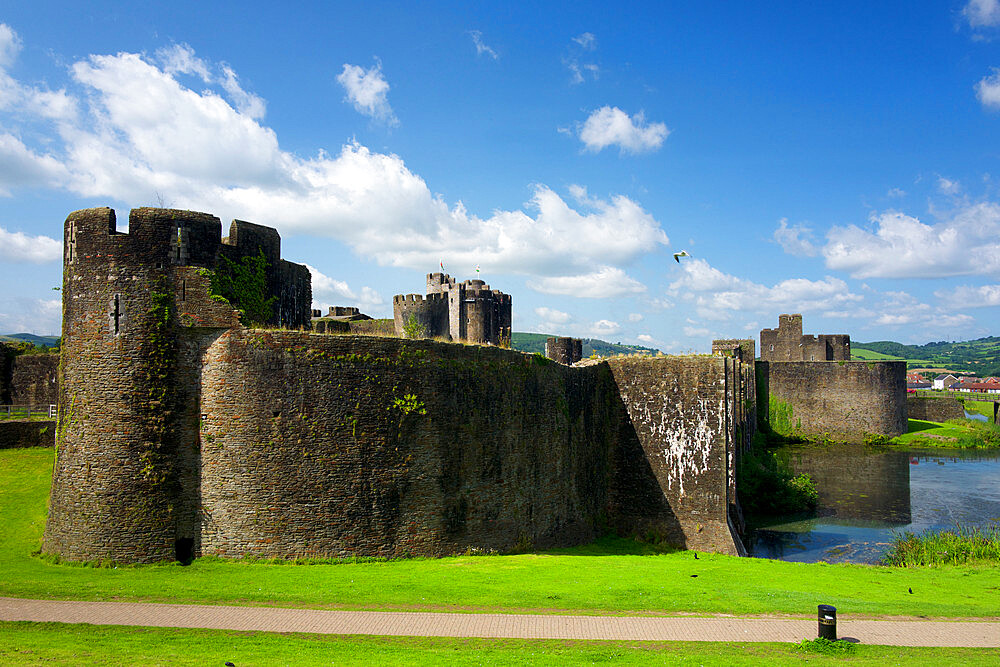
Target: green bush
pixel 412 327
pixel 877 439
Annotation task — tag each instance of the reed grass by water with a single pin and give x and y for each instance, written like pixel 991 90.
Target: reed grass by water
pixel 962 545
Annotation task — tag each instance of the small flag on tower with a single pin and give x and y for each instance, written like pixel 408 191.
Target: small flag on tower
pixel 477 270
pixel 442 265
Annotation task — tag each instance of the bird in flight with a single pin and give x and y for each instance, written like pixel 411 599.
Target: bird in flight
pixel 678 255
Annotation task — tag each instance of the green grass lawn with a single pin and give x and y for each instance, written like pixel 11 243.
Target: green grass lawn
pixel 953 434
pixel 871 355
pixel 612 576
pixel 933 434
pixel 45 643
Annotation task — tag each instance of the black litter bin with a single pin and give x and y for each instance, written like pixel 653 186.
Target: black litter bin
pixel 827 622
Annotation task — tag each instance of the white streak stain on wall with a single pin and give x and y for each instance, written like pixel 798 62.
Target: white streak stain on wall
pixel 686 437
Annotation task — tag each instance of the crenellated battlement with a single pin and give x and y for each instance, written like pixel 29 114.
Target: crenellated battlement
pixel 420 298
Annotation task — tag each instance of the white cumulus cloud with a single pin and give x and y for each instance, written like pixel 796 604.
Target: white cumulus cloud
pixel 605 328
pixel 327 291
pixel 795 239
pixel 988 90
pixel 610 126
pixel 968 296
pixel 368 91
pixel 948 186
pixel 42 317
pixel 142 132
pixel 606 283
pixel 19 247
pixel 901 246
pixel 552 315
pixel 718 295
pixel 982 13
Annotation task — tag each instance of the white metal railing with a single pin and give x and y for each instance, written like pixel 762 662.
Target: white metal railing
pixel 25 411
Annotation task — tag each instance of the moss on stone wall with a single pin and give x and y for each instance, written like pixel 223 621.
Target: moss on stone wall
pixel 244 285
pixel 781 417
pixel 159 352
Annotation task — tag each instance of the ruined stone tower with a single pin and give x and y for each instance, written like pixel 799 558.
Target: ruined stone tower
pixel 787 343
pixel 467 311
pixel 136 311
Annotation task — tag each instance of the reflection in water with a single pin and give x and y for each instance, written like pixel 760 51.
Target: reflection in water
pixel 866 495
pixel 858 484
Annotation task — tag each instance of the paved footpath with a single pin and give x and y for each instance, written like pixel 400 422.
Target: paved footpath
pixel 526 626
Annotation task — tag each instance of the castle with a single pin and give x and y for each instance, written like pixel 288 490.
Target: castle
pixel 467 311
pixel 809 387
pixel 182 432
pixel 786 343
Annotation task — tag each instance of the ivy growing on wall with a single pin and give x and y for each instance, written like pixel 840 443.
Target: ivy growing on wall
pixel 244 285
pixel 160 367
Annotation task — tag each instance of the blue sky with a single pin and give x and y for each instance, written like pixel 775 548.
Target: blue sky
pixel 837 160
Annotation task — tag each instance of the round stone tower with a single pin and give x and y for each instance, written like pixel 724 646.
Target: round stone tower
pixel 116 486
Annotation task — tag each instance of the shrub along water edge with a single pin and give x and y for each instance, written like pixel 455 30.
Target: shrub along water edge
pixel 961 545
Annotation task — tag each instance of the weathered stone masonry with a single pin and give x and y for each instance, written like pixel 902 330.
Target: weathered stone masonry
pixel 838 400
pixel 182 433
pixel 934 409
pixel 28 379
pixel 808 387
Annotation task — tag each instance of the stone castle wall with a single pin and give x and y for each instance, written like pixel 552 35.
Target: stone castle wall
pixel 34 380
pixel 563 349
pixel 28 379
pixel 840 400
pixel 15 434
pixel 934 409
pixel 373 446
pixel 675 466
pixel 310 445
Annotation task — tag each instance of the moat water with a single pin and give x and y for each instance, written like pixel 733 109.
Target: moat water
pixel 867 495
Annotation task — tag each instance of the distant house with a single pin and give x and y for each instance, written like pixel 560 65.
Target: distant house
pixel 922 384
pixel 979 387
pixel 944 381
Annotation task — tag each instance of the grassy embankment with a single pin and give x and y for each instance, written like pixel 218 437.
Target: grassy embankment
pixel 611 576
pixel 963 434
pixel 48 643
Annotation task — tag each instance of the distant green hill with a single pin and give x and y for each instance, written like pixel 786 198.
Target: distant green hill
pixel 980 356
pixel 533 342
pixel 38 341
